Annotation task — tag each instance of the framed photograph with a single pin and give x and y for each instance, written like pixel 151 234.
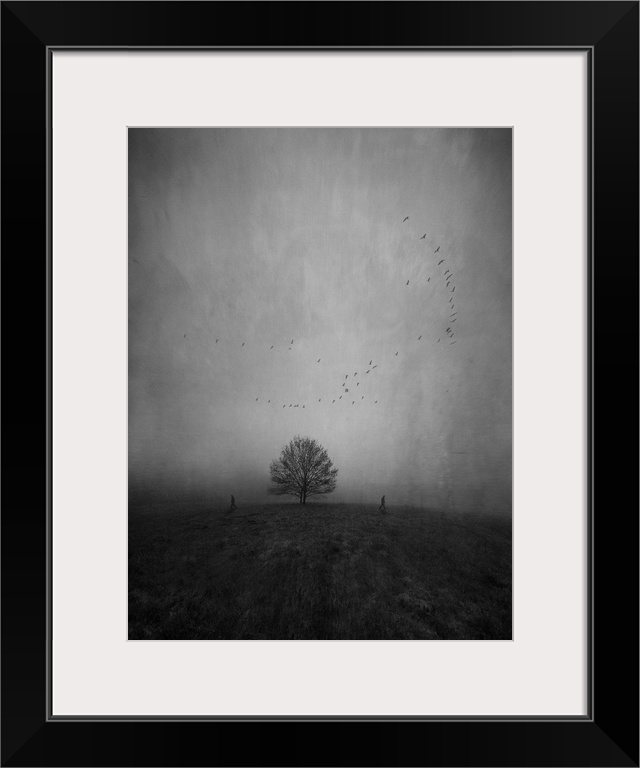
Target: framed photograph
pixel 321 351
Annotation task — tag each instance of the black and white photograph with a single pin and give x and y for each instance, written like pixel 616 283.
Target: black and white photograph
pixel 320 432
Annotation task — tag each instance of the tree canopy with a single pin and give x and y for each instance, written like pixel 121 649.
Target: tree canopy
pixel 304 469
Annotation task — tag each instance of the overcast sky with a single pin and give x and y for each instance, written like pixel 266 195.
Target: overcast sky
pixel 264 236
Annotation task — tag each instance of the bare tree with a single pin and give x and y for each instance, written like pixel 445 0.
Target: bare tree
pixel 303 469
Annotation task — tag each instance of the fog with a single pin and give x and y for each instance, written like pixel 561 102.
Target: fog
pixel 257 237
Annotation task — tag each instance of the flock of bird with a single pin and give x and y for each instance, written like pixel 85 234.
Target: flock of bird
pixel 447 277
pixel 348 390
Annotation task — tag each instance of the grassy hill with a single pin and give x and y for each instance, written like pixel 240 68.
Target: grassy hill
pixel 318 572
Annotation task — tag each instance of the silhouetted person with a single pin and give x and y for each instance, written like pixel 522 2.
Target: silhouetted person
pixel 233 504
pixel 382 506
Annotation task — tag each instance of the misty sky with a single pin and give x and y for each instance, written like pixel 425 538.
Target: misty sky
pixel 260 236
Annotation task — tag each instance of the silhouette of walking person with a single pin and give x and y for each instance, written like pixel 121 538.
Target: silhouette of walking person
pixel 382 506
pixel 233 504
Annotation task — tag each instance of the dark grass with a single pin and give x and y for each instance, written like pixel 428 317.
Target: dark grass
pixel 318 572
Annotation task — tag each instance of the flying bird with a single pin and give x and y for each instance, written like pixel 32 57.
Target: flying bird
pixel 440 262
pixel 428 279
pixel 453 289
pixel 243 343
pixel 340 398
pixel 452 342
pixel 216 341
pixel 452 314
pixel 367 371
pixel 289 349
pixel 396 354
pixel 446 270
pixel 438 341
pixel 292 341
pixel 353 402
pixel 437 249
pixel 256 399
pixel 407 282
pixel 419 337
pixel 346 390
pixel 333 401
pixel 185 336
pixel 375 366
pixel 271 347
pixel 268 401
pixel 318 360
pixel 454 319
pixel 376 401
pixel 319 399
pixel 423 237
pixel 406 218
pixel 358 384
pixel 370 361
pixel 347 376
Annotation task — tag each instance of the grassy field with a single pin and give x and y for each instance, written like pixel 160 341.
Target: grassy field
pixel 318 572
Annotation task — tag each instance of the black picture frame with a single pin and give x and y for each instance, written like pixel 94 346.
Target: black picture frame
pixel 608 736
